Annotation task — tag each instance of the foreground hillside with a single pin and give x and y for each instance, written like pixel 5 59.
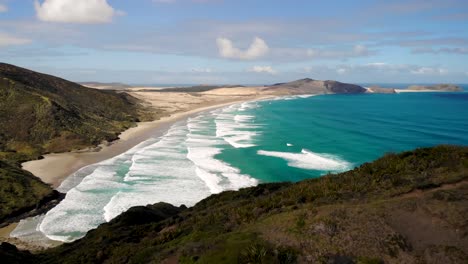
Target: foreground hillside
pixel 40 114
pixel 405 208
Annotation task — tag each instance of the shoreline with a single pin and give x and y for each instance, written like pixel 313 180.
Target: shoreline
pixel 57 167
pixel 54 168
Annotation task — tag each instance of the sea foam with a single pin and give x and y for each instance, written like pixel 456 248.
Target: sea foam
pixel 309 160
pixel 202 148
pixel 179 167
pixel 235 127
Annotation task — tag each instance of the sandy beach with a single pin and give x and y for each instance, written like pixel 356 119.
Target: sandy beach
pixel 174 106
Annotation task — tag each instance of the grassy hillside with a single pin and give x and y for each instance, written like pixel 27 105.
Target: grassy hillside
pixel 39 114
pixel 405 208
pixel 19 191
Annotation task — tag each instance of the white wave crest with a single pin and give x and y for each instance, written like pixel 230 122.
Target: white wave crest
pixel 309 160
pixel 239 130
pixel 202 147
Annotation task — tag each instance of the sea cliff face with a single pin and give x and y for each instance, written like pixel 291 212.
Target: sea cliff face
pixel 402 208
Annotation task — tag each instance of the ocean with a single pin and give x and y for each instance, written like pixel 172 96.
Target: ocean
pixel 284 139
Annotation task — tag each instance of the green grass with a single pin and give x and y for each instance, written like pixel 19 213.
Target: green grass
pixel 42 114
pixel 19 190
pixel 361 216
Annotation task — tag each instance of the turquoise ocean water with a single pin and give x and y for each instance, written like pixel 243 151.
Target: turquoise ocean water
pixel 286 139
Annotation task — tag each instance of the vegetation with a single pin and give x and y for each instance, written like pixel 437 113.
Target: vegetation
pixel 403 208
pixel 41 114
pixel 19 190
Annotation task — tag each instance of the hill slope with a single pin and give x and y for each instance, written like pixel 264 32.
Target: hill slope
pixel 310 86
pixel 22 194
pixel 40 113
pixel 405 208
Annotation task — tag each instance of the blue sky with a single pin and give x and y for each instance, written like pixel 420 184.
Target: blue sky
pixel 241 42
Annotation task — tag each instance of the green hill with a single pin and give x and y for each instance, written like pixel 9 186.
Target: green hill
pixel 40 114
pixel 20 191
pixel 403 208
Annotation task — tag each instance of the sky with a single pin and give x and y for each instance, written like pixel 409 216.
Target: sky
pixel 238 41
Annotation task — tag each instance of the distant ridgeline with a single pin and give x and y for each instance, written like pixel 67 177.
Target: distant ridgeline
pixel 40 114
pixel 403 208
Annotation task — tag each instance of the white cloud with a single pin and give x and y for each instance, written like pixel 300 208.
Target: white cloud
pixel 9 40
pixel 262 69
pixel 201 70
pixel 257 49
pixel 429 71
pixel 73 11
pixel 3 8
pixel 341 71
pixel 378 64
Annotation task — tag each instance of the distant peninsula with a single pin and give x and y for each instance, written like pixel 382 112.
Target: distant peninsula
pixel 437 87
pixel 415 88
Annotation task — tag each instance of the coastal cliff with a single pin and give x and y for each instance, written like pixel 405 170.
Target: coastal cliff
pixel 402 208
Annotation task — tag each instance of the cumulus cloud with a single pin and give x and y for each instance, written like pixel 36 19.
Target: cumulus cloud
pixel 262 69
pixel 3 8
pixel 73 11
pixel 257 49
pixel 9 40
